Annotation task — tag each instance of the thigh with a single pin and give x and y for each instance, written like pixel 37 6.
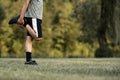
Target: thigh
pixel 28 21
pixel 36 25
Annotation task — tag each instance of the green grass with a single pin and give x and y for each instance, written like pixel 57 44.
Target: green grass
pixel 61 69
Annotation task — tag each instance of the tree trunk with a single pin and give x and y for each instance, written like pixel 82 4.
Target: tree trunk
pixel 106 19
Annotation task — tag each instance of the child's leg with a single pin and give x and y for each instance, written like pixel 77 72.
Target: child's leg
pixel 32 32
pixel 28 46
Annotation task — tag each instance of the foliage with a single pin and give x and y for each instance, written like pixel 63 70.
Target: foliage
pixel 2 14
pixel 88 14
pixel 69 29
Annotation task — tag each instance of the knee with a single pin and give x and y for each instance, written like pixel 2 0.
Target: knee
pixel 38 39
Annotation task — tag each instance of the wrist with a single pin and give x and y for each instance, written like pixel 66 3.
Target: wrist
pixel 21 16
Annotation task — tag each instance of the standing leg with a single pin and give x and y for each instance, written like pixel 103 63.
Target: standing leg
pixel 29 51
pixel 28 46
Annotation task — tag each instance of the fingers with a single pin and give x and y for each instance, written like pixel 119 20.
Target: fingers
pixel 20 21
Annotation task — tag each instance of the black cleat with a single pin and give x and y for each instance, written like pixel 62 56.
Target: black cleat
pixel 14 20
pixel 31 63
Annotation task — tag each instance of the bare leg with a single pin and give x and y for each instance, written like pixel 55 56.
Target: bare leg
pixel 32 32
pixel 29 44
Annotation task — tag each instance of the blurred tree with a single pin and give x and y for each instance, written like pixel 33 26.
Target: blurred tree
pixel 117 23
pixel 87 12
pixel 106 20
pixel 2 14
pixel 2 17
pixel 69 28
pixel 65 30
pixel 8 35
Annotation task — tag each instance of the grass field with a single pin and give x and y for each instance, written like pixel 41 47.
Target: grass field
pixel 61 69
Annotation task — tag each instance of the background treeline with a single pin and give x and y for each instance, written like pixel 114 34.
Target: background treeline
pixel 71 28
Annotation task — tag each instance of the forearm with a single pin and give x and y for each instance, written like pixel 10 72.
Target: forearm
pixel 24 8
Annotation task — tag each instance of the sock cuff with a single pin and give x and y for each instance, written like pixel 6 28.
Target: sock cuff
pixel 28 53
pixel 28 56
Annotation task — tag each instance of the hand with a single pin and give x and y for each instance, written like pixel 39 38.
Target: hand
pixel 20 21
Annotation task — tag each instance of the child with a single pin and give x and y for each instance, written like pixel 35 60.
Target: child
pixel 31 18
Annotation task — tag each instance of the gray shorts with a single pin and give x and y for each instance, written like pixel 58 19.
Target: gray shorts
pixel 35 24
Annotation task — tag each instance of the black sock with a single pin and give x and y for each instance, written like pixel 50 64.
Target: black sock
pixel 28 56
